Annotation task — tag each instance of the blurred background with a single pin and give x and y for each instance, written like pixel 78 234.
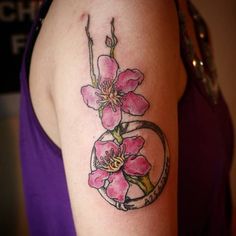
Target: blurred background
pixel 15 20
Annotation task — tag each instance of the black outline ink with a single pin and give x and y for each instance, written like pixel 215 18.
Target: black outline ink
pixel 151 192
pixel 161 182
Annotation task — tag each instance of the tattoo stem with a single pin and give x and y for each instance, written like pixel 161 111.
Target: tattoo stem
pixel 90 46
pixel 112 52
pixel 143 182
pixel 116 134
pixel 114 39
pixel 111 42
pixel 146 183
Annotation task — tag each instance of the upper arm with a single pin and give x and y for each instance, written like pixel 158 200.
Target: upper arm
pixel 117 151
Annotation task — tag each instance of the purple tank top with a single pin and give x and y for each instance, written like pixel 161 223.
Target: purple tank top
pixel 205 156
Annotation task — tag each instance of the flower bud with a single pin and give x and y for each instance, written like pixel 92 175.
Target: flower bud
pixel 108 42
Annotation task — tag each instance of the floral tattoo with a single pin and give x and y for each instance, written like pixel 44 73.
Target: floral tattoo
pixel 120 168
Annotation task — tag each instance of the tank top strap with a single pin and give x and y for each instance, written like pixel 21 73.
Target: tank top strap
pixel 24 75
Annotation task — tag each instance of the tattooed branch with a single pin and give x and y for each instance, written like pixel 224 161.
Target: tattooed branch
pixel 90 46
pixel 111 42
pixel 118 163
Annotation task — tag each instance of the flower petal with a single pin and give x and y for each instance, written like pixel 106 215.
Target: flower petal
pixel 90 96
pixel 102 148
pixel 97 178
pixel 134 104
pixel 118 187
pixel 111 118
pixel 107 67
pixel 132 145
pixel 128 80
pixel 137 166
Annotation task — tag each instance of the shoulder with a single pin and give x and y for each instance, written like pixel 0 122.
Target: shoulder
pixel 149 30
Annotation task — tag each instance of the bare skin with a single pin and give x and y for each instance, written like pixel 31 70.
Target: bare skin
pixel 59 68
pixel 40 81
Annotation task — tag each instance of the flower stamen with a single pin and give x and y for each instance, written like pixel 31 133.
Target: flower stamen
pixel 109 96
pixel 112 162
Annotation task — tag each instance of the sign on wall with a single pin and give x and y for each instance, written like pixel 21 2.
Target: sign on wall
pixel 16 18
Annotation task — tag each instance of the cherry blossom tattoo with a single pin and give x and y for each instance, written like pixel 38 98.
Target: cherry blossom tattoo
pixel 122 162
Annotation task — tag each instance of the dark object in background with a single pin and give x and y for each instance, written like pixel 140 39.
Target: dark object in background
pixel 16 17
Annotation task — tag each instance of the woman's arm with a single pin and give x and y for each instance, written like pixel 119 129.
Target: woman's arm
pixel 116 104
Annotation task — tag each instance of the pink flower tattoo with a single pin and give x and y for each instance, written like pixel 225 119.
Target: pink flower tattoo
pixel 114 162
pixel 117 160
pixel 115 93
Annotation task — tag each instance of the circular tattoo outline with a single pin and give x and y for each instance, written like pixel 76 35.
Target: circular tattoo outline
pixel 137 203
